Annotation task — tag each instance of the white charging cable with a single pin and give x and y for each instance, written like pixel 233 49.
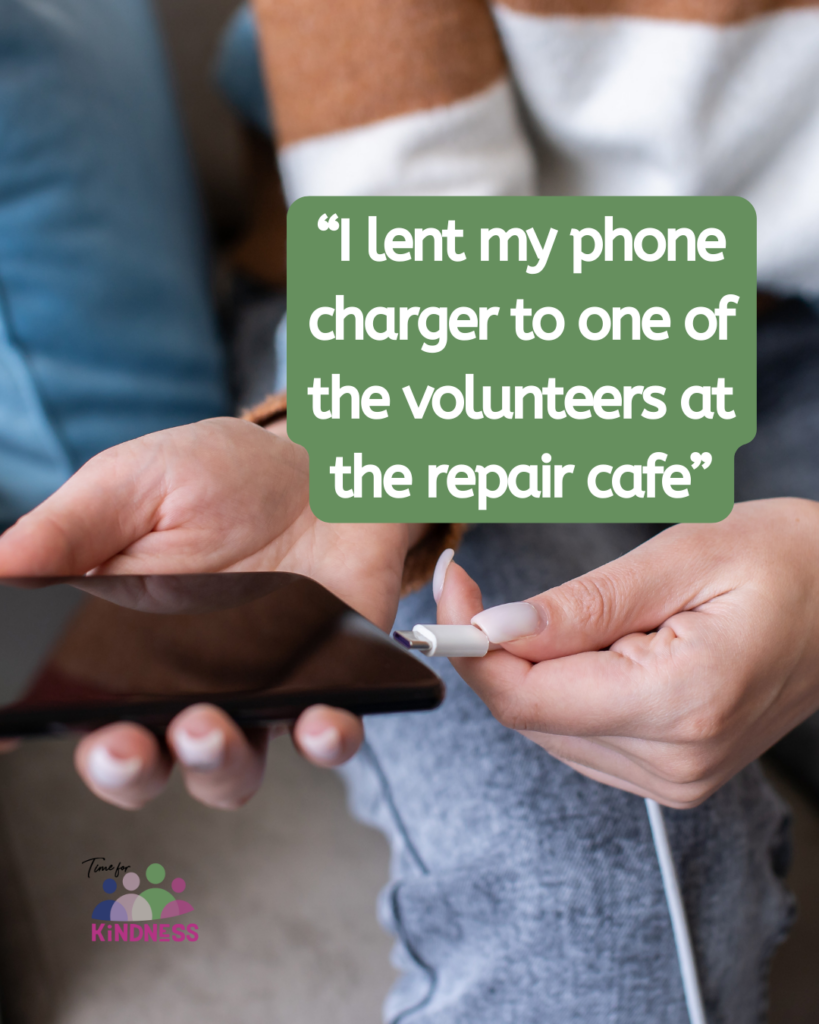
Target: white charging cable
pixel 470 642
pixel 676 910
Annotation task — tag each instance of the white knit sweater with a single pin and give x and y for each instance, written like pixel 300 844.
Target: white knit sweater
pixel 596 97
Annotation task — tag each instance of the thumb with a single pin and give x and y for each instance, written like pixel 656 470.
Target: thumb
pixel 460 597
pixel 636 593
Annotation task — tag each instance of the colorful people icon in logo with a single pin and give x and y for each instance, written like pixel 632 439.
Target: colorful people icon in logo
pixel 151 904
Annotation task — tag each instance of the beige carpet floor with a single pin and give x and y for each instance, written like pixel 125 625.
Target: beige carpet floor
pixel 283 893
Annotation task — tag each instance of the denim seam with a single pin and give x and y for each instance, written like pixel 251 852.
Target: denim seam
pixel 782 933
pixel 400 929
pixel 430 971
pixel 386 792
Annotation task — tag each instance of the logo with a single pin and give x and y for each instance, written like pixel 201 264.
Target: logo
pixel 129 914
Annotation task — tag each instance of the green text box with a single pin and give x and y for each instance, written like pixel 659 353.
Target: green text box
pixel 623 427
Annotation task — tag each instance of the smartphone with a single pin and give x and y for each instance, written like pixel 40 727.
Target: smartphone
pixel 79 652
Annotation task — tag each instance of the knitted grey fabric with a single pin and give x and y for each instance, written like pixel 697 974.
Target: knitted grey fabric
pixel 524 893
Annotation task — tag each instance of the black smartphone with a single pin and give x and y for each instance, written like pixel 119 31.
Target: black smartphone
pixel 263 646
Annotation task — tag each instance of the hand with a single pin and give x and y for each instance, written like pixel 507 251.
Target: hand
pixel 668 670
pixel 221 495
pixel 221 764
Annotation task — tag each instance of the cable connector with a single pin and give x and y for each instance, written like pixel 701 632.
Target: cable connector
pixel 445 641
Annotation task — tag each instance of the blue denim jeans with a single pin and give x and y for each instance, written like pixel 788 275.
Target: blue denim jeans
pixel 106 323
pixel 524 893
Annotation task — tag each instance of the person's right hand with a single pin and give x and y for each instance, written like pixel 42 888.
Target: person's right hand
pixel 668 670
pixel 217 496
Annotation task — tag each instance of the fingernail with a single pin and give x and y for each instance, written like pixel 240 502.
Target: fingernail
pixel 439 576
pixel 323 746
pixel 507 622
pixel 206 751
pixel 112 772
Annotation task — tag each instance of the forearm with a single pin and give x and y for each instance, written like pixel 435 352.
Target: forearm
pixel 332 66
pixel 389 98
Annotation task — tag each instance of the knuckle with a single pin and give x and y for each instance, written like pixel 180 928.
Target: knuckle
pixel 685 797
pixel 690 767
pixel 505 708
pixel 591 600
pixel 708 724
pixel 687 770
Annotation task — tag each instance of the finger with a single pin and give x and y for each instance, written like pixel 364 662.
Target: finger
pixel 627 757
pixel 222 765
pixel 589 694
pixel 596 693
pixel 122 764
pixel 680 798
pixel 684 684
pixel 680 569
pixel 580 754
pixel 327 736
pixel 665 774
pixel 459 596
pixel 499 678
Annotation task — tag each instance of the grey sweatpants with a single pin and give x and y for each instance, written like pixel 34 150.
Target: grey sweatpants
pixel 524 893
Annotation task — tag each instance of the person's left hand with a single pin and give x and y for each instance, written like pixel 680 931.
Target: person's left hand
pixel 668 670
pixel 222 495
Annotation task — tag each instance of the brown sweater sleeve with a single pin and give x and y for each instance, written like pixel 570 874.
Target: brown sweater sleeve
pixel 336 64
pixel 333 64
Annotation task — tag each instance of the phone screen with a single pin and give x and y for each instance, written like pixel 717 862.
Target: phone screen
pixel 79 652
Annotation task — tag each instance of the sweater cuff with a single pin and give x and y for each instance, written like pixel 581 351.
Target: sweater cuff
pixel 273 408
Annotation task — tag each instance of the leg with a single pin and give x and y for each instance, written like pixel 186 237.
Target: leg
pixel 523 892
